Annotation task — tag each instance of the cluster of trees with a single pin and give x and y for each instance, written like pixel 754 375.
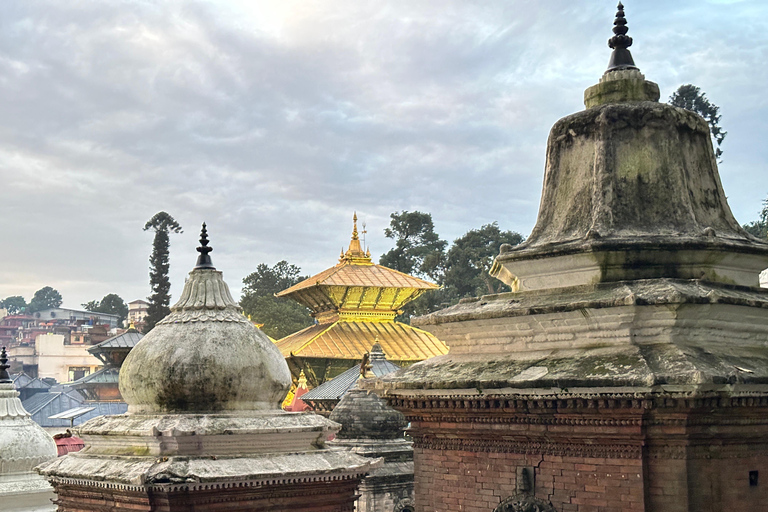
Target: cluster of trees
pixel 43 298
pixel 111 303
pixel 461 270
pixel 279 316
pixel 759 227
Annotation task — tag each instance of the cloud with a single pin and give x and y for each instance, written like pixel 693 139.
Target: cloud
pixel 274 121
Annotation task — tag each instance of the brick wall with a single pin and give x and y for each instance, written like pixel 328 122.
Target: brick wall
pixel 479 481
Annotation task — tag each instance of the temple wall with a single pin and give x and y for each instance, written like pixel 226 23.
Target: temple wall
pixel 479 481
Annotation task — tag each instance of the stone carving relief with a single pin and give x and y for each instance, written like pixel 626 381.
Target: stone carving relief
pixel 524 503
pixel 405 505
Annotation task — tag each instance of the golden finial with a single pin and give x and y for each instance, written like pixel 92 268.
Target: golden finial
pixel 131 326
pixel 302 380
pixel 368 253
pixel 354 229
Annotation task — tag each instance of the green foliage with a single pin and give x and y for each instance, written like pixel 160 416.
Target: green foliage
pixel 163 224
pixel 45 298
pixel 759 228
pixel 463 270
pixel 418 249
pixel 111 303
pixel 280 316
pixel 14 304
pixel 691 98
pixel 470 258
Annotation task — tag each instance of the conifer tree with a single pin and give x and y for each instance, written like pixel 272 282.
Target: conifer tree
pixel 163 224
pixel 691 98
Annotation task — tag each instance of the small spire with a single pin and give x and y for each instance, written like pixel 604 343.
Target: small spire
pixel 204 260
pixel 302 381
pixel 4 376
pixel 620 58
pixel 354 227
pixel 355 251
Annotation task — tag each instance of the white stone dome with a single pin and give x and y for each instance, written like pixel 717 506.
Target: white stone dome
pixel 23 443
pixel 205 356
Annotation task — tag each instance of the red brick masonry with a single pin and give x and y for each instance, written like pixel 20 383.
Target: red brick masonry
pixel 614 454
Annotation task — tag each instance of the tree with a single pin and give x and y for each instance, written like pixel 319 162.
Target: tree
pixel 470 258
pixel 691 98
pixel 418 249
pixel 163 224
pixel 279 316
pixel 112 304
pixel 45 298
pixel 759 228
pixel 14 304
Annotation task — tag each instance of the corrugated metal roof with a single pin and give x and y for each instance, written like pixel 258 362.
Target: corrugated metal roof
pixel 335 388
pixel 128 339
pixel 350 340
pixel 69 414
pixel 43 405
pixel 353 274
pixel 108 375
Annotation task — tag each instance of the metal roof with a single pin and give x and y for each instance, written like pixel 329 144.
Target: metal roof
pixel 73 413
pixel 128 339
pixel 44 405
pixel 108 375
pixel 352 274
pixel 350 340
pixel 335 388
pixel 24 381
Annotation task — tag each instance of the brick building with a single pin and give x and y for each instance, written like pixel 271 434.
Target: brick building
pixel 628 369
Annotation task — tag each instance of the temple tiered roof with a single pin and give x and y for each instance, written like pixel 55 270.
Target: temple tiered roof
pixel 355 303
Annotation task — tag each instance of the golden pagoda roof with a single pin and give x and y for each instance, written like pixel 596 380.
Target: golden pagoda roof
pixel 356 283
pixel 350 340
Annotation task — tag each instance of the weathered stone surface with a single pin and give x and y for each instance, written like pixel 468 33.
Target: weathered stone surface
pixel 631 191
pixel 219 361
pixel 373 429
pixel 204 428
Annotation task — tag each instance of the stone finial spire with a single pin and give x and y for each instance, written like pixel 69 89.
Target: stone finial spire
pixel 620 58
pixel 4 376
pixel 204 260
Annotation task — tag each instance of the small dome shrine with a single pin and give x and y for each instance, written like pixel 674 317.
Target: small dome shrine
pixel 204 428
pixel 23 443
pixel 205 356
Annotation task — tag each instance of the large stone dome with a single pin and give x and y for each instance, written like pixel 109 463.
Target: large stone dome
pixel 205 356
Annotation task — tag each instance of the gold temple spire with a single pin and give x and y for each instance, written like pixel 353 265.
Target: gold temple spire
pixel 355 253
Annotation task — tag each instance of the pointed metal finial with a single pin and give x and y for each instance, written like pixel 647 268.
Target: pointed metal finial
pixel 620 58
pixel 4 376
pixel 204 260
pixel 354 228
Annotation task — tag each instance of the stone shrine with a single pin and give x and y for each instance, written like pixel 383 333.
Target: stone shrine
pixel 371 428
pixel 204 428
pixel 23 445
pixel 628 369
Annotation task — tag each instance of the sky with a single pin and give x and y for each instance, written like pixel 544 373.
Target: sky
pixel 274 121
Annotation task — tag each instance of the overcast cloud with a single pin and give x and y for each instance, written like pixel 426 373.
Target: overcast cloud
pixel 273 121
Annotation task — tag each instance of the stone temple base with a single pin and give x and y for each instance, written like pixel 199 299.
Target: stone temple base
pixel 609 450
pixel 647 395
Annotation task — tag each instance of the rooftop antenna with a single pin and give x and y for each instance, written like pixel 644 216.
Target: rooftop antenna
pixel 364 232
